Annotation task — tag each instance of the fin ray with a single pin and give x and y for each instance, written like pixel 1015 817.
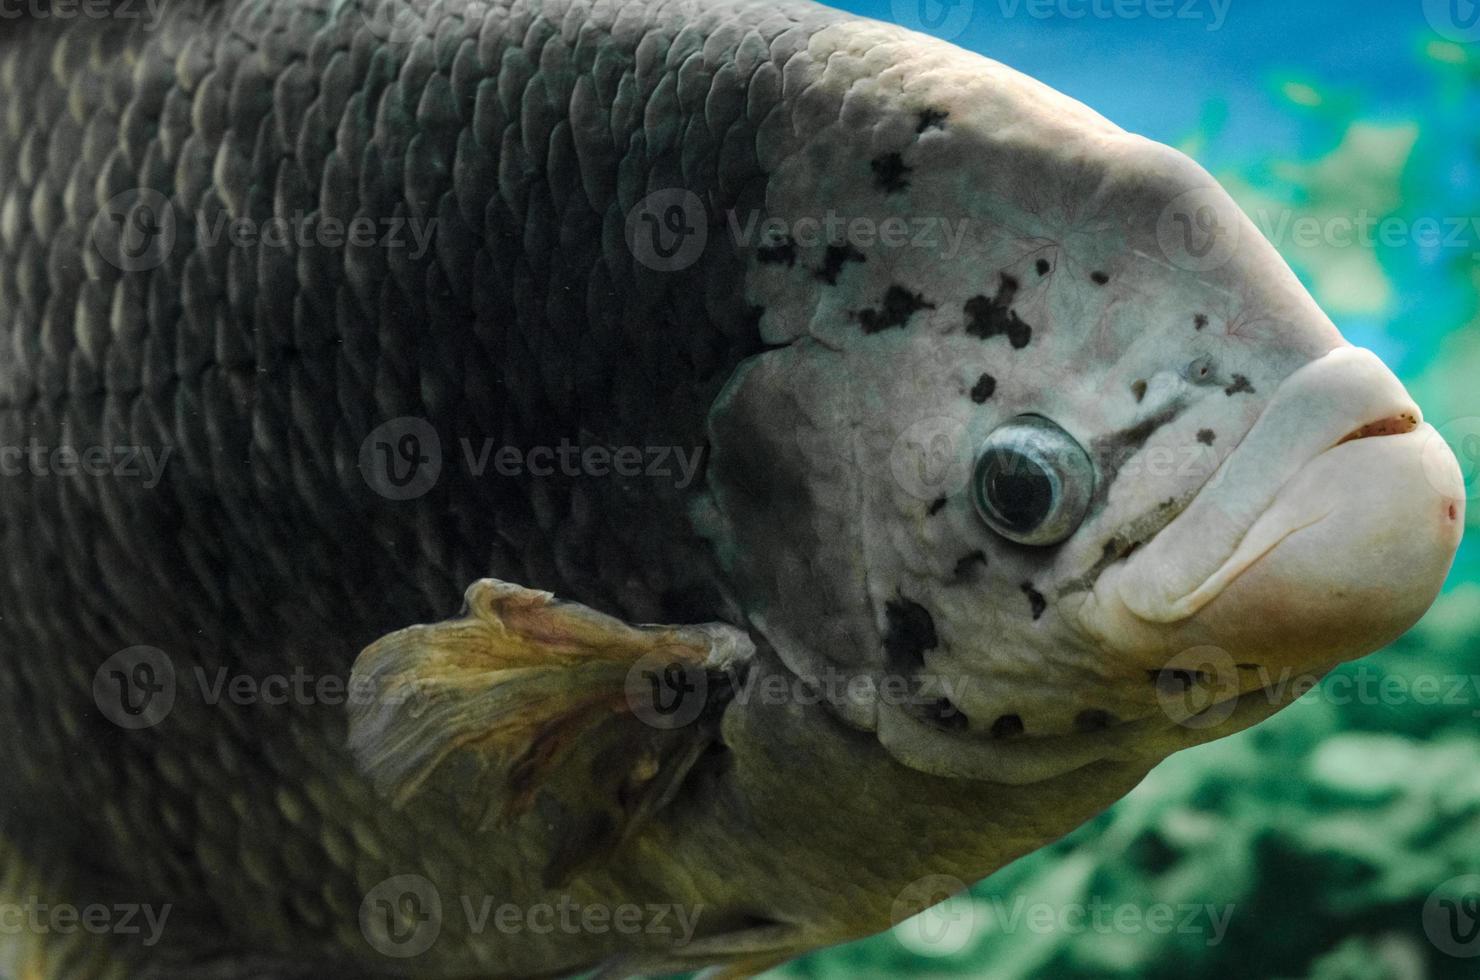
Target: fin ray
pixel 518 681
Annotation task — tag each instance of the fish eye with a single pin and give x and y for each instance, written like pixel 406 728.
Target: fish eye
pixel 1032 481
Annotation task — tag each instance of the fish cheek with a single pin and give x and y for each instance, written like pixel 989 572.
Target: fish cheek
pixel 781 518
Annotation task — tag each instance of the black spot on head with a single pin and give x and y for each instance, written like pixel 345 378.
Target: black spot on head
pixel 1093 720
pixel 1042 266
pixel 986 318
pixel 931 119
pixel 1138 388
pixel 910 632
pixel 783 252
pixel 1200 320
pixel 1036 602
pixel 1114 550
pixel 899 305
pixel 1135 436
pixel 966 565
pixel 983 389
pixel 889 171
pixel 834 259
pixel 1111 451
pixel 1099 278
pixel 1007 726
pixel 936 506
pixel 1206 436
pixel 1240 383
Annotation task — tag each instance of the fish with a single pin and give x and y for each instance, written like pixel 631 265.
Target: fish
pixel 510 488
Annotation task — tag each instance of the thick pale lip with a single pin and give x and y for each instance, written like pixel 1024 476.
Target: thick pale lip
pixel 1315 410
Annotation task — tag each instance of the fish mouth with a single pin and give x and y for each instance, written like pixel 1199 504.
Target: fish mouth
pixel 1324 535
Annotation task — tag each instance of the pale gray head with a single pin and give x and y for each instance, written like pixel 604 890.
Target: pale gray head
pixel 1071 441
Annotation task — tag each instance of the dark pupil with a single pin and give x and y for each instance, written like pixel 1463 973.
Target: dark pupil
pixel 1018 490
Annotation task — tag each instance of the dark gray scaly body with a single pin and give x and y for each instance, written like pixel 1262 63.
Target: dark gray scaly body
pixel 264 369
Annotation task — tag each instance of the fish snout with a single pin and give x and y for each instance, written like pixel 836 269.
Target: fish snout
pixel 1352 552
pixel 1326 534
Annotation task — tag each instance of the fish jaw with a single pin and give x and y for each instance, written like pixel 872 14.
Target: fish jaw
pixel 1326 534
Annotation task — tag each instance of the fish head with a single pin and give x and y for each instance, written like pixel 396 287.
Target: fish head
pixel 1073 467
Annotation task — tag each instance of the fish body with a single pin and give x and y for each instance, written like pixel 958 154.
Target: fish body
pixel 322 315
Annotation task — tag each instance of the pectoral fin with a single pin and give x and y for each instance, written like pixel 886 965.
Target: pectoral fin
pixel 545 698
